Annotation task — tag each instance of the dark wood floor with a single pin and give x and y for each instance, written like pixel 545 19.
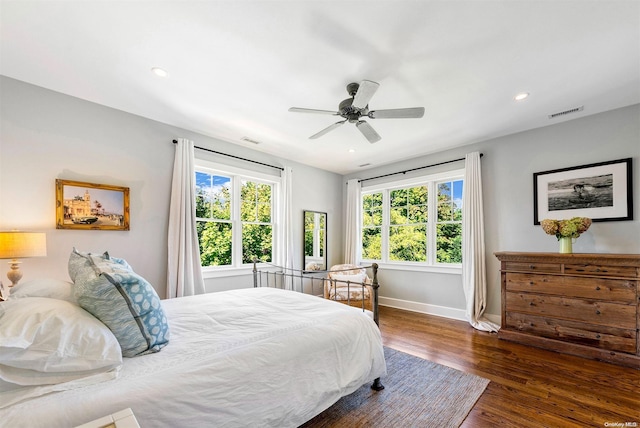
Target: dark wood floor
pixel 529 387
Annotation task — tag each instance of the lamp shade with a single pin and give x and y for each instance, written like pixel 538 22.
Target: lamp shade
pixel 17 245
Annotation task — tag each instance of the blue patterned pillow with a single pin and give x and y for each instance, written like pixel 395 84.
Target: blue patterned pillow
pixel 123 300
pixel 80 266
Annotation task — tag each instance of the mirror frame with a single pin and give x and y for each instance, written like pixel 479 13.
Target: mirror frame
pixel 304 241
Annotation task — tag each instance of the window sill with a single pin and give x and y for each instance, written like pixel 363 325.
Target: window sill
pixel 449 270
pixel 223 272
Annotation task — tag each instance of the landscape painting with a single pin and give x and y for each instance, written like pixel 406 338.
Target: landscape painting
pixel 602 192
pixel 91 206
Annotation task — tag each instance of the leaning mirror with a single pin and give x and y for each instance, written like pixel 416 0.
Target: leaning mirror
pixel 315 241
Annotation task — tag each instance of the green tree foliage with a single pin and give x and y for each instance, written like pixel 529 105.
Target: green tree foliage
pixel 215 229
pixel 372 226
pixel 255 213
pixel 449 228
pixel 408 217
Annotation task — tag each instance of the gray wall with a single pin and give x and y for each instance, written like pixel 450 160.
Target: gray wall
pixel 507 171
pixel 45 135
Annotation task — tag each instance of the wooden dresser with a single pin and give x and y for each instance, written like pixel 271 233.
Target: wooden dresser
pixel 580 304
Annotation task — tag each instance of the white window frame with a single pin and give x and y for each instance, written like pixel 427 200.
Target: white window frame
pixel 237 174
pixel 431 181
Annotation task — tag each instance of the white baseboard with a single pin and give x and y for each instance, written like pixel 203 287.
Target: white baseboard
pixel 425 308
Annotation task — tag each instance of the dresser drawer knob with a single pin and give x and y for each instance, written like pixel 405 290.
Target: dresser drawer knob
pixel 532 266
pixel 598 288
pixel 530 282
pixel 597 312
pixel 598 336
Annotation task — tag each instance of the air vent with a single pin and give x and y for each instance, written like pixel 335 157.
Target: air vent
pixel 363 165
pixel 249 140
pixel 566 112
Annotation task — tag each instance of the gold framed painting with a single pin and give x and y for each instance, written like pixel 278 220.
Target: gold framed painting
pixel 90 206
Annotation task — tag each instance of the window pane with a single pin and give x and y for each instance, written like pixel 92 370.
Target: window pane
pixel 398 197
pixel 215 243
pixel 372 218
pixel 371 201
pixel 408 243
pixel 264 213
pixel 203 204
pixel 213 196
pixel 256 242
pixel 372 243
pixel 457 200
pixel 418 214
pixel 449 243
pixel 445 212
pixel 398 216
pixel 444 191
pixel 418 195
pixel 264 193
pixel 256 202
pixel 248 211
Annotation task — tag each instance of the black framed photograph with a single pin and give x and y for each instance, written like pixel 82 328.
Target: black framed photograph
pixel 601 191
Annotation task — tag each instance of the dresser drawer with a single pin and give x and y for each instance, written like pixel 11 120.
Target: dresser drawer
pixel 601 270
pixel 533 267
pixel 617 290
pixel 603 337
pixel 580 304
pixel 589 311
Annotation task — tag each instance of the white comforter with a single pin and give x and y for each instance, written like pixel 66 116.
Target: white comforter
pixel 251 357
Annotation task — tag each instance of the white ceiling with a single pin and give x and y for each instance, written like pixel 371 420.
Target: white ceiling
pixel 235 67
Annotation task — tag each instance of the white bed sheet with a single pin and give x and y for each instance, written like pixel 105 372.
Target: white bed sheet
pixel 253 357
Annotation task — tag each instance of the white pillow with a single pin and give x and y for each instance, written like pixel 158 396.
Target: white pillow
pixel 341 281
pixel 45 287
pixel 47 341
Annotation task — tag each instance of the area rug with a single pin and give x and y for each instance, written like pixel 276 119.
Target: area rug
pixel 418 393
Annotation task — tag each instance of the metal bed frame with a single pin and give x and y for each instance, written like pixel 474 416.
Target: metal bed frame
pixel 301 280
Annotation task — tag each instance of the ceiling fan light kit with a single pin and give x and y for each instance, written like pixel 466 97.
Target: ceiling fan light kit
pixel 355 108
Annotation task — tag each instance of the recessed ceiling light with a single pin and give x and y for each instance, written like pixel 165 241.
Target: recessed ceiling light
pixel 521 96
pixel 352 150
pixel 159 72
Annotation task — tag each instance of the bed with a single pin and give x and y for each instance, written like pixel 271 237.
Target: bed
pixel 260 356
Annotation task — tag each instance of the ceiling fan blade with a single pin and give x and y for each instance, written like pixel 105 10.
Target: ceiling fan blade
pixel 368 131
pixel 365 92
pixel 398 113
pixel 310 110
pixel 327 129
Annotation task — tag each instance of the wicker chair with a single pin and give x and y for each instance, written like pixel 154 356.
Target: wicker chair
pixel 349 284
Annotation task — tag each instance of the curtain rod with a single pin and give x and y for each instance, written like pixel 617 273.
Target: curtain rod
pixel 233 156
pixel 413 169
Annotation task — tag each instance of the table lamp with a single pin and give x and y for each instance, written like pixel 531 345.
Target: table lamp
pixel 16 245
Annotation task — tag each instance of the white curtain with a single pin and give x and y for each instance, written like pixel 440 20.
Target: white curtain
pixel 474 277
pixel 184 273
pixel 352 251
pixel 285 250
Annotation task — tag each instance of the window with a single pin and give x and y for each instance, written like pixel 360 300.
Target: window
pixel 416 221
pixel 234 216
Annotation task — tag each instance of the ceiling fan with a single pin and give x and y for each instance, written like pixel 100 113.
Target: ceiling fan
pixel 354 108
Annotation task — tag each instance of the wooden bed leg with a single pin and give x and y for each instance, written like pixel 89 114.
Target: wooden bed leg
pixel 377 385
